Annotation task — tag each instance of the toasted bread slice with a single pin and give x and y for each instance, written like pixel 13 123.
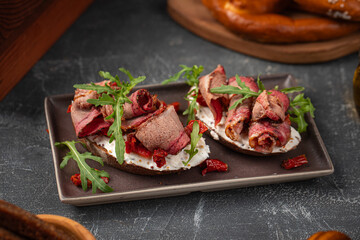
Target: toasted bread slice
pixel 137 164
pixel 218 133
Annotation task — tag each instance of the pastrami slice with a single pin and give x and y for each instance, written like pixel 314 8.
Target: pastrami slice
pixel 142 102
pixel 132 124
pixel 87 121
pixel 81 97
pixel 264 135
pixel 236 118
pixel 212 80
pixel 241 114
pixel 163 131
pixel 272 106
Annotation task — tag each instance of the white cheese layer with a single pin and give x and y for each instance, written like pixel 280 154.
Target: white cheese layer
pixel 205 115
pixel 173 162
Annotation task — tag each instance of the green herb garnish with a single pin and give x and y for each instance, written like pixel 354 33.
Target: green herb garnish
pixel 245 91
pixel 191 74
pixel 292 90
pixel 86 172
pixel 195 137
pixel 116 98
pixel 298 106
pixel 260 84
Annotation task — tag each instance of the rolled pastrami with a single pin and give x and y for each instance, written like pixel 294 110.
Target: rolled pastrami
pixel 142 103
pixel 214 101
pixel 88 121
pixel 272 106
pixel 241 114
pixel 265 134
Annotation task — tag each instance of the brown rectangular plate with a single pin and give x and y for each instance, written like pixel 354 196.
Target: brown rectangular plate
pixel 244 170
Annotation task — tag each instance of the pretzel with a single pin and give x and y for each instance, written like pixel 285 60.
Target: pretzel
pixel 17 222
pixel 342 9
pixel 261 23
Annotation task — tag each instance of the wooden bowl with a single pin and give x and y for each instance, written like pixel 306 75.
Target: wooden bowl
pixel 68 225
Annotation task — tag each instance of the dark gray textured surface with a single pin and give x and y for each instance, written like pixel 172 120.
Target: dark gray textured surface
pixel 140 36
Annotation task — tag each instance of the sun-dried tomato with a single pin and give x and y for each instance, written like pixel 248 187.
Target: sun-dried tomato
pixel 105 179
pixel 133 145
pixel 113 84
pixel 159 157
pixel 294 162
pixel 76 179
pixel 200 100
pixel 130 143
pixel 176 106
pixel 189 127
pixel 69 108
pixel 211 165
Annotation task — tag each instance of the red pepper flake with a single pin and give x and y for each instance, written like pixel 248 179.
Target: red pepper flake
pixel 77 180
pixel 176 106
pixel 202 127
pixel 211 165
pixel 69 108
pixel 47 130
pixel 294 162
pixel 159 157
pixel 133 145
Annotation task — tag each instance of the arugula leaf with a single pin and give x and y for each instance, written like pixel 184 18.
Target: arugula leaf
pixel 191 74
pixel 93 86
pixel 227 89
pixel 239 102
pixel 298 107
pixel 116 97
pixel 86 172
pixel 292 90
pixel 193 106
pixel 104 99
pixel 260 84
pixel 245 91
pixel 195 137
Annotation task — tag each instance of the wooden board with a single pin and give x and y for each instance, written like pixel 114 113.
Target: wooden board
pixel 28 28
pixel 195 17
pixel 78 231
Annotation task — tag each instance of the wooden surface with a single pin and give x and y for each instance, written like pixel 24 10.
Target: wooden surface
pixel 194 16
pixel 28 28
pixel 68 225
